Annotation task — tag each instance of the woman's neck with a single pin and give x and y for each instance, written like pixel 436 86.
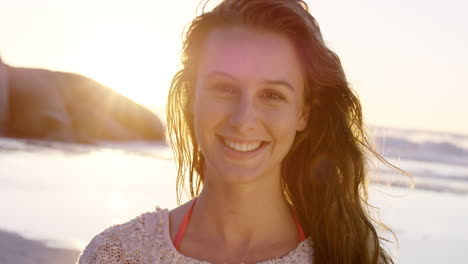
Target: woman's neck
pixel 243 215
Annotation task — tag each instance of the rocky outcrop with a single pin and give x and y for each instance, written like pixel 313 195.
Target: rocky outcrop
pixel 70 107
pixel 4 106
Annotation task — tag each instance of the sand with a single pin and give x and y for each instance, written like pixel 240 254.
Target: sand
pixel 15 249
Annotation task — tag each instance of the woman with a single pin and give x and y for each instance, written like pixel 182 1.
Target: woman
pixel 270 136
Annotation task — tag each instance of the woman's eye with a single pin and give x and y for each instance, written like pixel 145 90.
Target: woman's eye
pixel 273 96
pixel 223 88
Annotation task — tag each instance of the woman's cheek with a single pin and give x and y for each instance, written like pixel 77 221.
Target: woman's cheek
pixel 209 109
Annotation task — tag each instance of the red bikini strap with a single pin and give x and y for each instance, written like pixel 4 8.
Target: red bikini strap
pixel 183 226
pixel 299 228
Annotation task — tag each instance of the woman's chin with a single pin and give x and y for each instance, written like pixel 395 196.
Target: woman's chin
pixel 240 175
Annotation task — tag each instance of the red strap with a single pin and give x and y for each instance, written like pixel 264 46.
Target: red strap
pixel 299 228
pixel 183 226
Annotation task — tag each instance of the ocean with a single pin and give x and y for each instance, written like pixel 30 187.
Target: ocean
pixel 64 194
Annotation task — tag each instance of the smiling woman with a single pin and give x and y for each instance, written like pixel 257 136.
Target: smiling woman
pixel 253 111
pixel 270 138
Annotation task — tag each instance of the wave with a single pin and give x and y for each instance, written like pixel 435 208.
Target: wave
pixel 422 145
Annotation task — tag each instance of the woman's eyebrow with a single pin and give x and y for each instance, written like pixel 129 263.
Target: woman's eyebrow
pixel 268 82
pixel 219 74
pixel 281 83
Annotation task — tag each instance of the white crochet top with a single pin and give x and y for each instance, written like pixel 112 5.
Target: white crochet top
pixel 146 240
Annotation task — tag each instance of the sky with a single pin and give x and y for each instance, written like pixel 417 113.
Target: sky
pixel 406 59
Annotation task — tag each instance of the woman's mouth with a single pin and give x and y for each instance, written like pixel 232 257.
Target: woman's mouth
pixel 242 146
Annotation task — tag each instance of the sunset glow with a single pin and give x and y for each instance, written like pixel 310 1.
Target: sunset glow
pixel 407 67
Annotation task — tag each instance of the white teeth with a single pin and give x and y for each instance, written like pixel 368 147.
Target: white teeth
pixel 242 147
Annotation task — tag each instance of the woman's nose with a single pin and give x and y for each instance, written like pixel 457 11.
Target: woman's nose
pixel 244 114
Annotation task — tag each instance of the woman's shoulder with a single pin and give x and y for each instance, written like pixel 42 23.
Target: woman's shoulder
pixel 135 241
pixel 146 239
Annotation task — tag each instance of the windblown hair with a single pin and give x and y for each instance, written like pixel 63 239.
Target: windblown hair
pixel 324 174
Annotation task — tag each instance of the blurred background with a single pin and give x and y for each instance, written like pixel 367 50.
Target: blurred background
pixel 406 60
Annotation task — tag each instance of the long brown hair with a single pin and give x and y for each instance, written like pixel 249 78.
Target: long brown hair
pixel 324 174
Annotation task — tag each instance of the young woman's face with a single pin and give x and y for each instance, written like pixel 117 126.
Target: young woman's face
pixel 248 103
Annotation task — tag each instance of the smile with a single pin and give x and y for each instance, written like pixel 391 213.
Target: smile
pixel 242 146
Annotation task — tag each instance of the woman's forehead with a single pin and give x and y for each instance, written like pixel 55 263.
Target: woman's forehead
pixel 250 54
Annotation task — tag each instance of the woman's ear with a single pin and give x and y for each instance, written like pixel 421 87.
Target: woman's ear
pixel 303 118
pixel 191 100
pixel 190 105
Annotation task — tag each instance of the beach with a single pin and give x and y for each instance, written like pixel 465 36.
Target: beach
pixel 56 197
pixel 15 249
pixel 428 232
